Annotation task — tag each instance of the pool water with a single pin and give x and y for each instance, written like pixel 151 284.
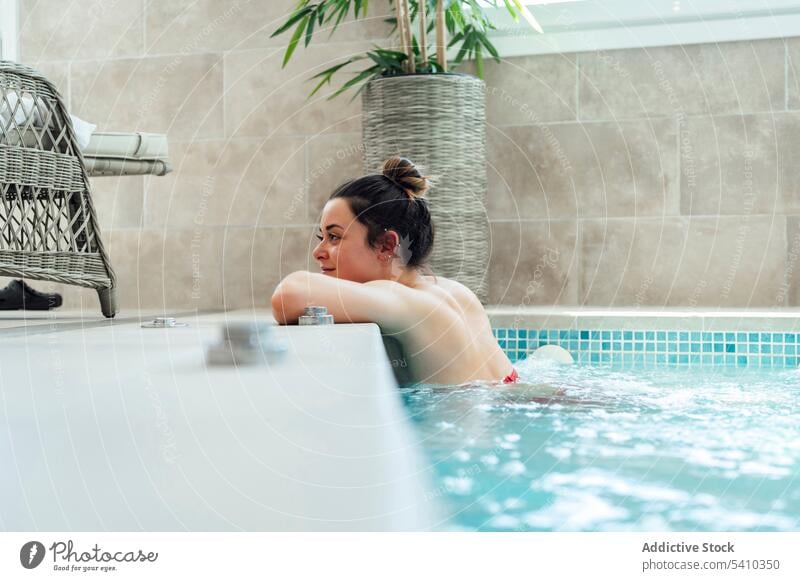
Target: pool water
pixel 595 448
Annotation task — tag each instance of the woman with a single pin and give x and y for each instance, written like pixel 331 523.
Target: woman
pixel 375 235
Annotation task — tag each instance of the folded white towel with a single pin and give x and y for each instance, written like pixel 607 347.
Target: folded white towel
pixel 26 109
pixel 83 131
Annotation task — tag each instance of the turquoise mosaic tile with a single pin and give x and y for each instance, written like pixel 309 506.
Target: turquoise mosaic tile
pixel 673 348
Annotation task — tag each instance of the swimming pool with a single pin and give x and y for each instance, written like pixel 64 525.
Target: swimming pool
pixel 619 448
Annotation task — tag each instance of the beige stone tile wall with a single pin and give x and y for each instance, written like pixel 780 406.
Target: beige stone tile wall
pixel 657 176
pixel 668 172
pixel 253 158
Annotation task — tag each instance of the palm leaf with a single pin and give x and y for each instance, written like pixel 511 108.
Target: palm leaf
pixel 295 39
pixel 328 73
pixel 466 30
pixel 489 46
pixel 292 19
pixel 309 30
pixel 362 76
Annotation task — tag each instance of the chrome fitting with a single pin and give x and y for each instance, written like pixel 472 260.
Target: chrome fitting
pixel 314 315
pixel 162 323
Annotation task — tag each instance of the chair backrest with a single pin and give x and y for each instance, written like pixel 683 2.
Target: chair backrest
pixel 45 204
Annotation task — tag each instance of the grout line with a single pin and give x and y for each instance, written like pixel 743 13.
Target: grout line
pixel 679 164
pixel 579 261
pixel 305 225
pixel 262 138
pixel 577 87
pixel 622 120
pixel 785 75
pixel 17 35
pixel 69 85
pixel 306 183
pixel 223 57
pixel 787 266
pixel 653 217
pixel 277 49
pixel 190 227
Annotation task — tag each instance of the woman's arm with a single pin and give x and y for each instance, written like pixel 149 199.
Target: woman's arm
pixel 381 301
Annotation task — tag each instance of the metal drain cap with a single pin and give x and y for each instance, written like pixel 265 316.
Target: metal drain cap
pixel 162 323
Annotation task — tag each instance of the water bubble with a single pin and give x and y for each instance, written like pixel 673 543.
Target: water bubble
pixel 504 521
pixel 513 503
pixel 513 468
pixel 560 453
pixel 461 455
pixel 458 485
pixel 765 470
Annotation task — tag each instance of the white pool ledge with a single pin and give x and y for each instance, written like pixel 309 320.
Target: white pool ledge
pixel 120 428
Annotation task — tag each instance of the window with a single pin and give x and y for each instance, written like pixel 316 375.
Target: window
pixel 585 25
pixel 8 30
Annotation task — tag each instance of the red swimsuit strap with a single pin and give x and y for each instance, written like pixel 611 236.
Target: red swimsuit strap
pixel 511 377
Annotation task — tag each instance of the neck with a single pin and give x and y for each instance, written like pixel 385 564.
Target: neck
pixel 410 277
pixel 405 275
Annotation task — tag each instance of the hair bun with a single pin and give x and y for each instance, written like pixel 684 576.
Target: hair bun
pixel 405 174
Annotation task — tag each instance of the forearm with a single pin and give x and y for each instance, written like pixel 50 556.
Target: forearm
pixel 347 301
pixel 288 300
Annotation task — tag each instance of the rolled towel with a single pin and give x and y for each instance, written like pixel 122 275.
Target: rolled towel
pixel 100 166
pixel 27 110
pixel 83 131
pixel 115 145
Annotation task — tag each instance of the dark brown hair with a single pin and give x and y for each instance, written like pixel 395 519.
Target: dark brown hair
pixel 393 200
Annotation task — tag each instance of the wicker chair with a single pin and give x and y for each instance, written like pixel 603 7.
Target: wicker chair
pixel 48 228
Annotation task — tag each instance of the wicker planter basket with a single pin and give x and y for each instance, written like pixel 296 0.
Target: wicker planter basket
pixel 439 122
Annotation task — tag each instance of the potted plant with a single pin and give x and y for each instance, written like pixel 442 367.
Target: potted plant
pixel 413 105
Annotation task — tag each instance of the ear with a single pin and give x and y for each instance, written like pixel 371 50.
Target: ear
pixel 386 245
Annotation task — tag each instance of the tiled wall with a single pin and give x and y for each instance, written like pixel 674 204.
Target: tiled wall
pixel 253 158
pixel 650 348
pixel 654 176
pixel 657 176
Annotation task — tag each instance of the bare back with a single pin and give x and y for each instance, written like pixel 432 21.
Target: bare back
pixel 448 337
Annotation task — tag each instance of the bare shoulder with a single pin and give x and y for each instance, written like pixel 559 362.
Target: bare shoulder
pixel 429 296
pixel 409 303
pixel 392 288
pixel 386 285
pixel 458 291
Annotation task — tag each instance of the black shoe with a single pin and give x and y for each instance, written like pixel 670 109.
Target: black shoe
pixel 17 295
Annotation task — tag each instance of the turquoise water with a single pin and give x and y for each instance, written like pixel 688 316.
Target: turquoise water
pixel 616 449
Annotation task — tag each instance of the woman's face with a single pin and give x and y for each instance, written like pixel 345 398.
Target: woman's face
pixel 343 250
